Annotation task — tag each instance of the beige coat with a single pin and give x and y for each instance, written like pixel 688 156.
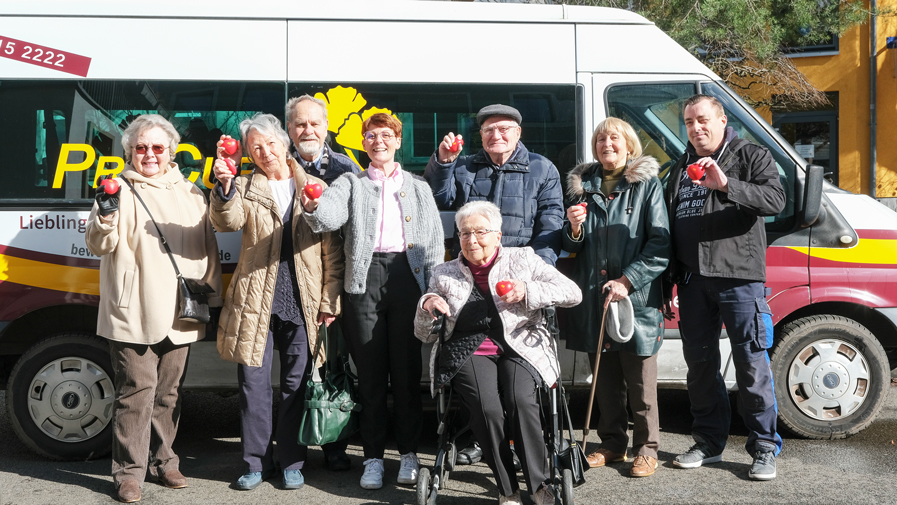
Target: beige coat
pixel 243 328
pixel 138 286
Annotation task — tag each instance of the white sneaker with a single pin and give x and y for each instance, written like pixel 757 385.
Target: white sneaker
pixel 409 469
pixel 543 496
pixel 514 499
pixel 373 474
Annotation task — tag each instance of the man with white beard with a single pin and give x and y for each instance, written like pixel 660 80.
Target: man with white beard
pixel 307 127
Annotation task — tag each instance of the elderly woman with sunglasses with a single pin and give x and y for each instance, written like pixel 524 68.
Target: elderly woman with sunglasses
pixel 138 298
pixel 286 284
pixel 393 238
pixel 497 351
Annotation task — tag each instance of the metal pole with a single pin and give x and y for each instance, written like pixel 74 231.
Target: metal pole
pixel 873 119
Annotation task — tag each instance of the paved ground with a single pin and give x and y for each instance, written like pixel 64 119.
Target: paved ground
pixel 861 469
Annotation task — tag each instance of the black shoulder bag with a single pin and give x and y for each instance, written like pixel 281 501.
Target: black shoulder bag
pixel 193 300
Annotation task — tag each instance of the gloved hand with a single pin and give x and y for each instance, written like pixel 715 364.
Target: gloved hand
pixel 108 203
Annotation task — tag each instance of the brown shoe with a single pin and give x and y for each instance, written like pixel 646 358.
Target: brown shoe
pixel 129 491
pixel 602 457
pixel 643 466
pixel 173 479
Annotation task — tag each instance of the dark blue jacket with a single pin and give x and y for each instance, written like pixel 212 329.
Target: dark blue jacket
pixel 527 189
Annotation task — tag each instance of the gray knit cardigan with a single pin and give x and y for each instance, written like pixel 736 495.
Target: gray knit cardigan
pixel 353 203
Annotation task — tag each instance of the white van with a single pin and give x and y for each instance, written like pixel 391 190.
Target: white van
pixel 72 74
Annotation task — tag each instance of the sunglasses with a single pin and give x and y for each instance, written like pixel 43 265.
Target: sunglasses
pixel 157 149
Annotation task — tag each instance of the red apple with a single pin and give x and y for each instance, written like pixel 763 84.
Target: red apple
pixel 110 186
pixel 313 190
pixel 695 171
pixel 231 165
pixel 230 146
pixel 504 287
pixel 457 144
pixel 584 205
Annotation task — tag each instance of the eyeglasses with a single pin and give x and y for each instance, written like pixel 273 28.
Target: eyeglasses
pixel 385 135
pixel 479 233
pixel 502 130
pixel 157 149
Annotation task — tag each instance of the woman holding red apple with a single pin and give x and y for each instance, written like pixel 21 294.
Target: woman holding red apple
pixel 138 297
pixel 497 350
pixel 618 227
pixel 286 284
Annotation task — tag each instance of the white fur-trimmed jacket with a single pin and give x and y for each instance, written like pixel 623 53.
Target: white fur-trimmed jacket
pixel 523 324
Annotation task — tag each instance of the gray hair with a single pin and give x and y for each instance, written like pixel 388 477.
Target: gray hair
pixel 266 124
pixel 479 208
pixel 148 122
pixel 289 109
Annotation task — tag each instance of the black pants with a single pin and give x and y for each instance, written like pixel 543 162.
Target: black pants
pixel 496 390
pixel 379 326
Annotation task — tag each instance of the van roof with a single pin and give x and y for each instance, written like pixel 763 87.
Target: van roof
pixel 389 10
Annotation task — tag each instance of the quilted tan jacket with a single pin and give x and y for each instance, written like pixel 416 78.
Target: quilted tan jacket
pixel 243 327
pixel 523 323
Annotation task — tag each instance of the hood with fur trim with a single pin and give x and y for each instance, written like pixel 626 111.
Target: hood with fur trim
pixel 639 169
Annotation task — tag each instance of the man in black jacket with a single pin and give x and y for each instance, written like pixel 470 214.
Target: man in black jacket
pixel 307 126
pixel 719 266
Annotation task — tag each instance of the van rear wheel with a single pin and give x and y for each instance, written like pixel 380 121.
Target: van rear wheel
pixel 831 376
pixel 59 397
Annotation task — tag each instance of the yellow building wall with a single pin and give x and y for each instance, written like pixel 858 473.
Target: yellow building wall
pixel 848 74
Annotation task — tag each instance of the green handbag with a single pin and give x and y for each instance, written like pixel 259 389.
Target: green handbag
pixel 331 413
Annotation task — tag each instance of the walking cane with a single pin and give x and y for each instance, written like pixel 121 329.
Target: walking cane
pixel 585 430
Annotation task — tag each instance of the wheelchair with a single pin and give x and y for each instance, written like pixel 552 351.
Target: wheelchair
pixel 563 452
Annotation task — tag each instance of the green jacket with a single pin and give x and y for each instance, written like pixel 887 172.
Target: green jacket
pixel 626 232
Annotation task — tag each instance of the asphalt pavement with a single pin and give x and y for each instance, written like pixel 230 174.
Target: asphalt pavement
pixel 860 469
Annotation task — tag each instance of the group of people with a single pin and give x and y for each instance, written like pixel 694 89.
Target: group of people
pixel 367 256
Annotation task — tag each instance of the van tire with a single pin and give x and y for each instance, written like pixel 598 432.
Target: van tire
pixel 73 408
pixel 831 377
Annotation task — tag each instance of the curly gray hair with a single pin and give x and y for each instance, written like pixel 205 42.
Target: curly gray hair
pixel 479 208
pixel 266 124
pixel 144 123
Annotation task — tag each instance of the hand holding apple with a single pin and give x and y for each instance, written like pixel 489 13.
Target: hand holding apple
pixel 457 144
pixel 109 186
pixel 503 287
pixel 107 197
pixel 695 171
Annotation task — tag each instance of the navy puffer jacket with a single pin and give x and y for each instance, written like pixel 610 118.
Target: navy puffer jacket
pixel 527 189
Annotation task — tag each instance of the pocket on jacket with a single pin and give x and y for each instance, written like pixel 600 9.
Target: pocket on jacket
pixel 763 334
pixel 126 287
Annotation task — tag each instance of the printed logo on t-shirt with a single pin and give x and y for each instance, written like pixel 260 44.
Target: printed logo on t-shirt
pixel 691 198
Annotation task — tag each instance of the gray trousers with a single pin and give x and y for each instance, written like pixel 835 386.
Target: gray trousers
pixel 147 407
pixel 256 401
pixel 623 375
pixel 502 398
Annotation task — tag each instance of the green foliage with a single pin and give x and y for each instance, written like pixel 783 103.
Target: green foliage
pixel 744 41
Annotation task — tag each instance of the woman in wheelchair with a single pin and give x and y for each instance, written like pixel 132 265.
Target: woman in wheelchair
pixel 497 350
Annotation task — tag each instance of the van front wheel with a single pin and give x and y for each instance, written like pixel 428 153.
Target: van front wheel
pixel 831 376
pixel 60 397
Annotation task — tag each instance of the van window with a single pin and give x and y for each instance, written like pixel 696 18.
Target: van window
pixel 655 111
pixel 82 122
pixel 428 112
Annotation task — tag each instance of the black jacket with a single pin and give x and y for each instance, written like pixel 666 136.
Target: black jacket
pixel 733 231
pixel 527 189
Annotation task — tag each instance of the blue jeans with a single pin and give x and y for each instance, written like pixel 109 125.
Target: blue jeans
pixel 705 303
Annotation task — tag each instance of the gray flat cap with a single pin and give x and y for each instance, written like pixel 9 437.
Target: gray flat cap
pixel 498 109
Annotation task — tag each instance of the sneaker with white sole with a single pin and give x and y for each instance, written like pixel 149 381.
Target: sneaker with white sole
pixel 373 474
pixel 764 466
pixel 409 469
pixel 513 499
pixel 699 454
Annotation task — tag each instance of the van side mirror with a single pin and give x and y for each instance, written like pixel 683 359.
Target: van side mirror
pixel 813 210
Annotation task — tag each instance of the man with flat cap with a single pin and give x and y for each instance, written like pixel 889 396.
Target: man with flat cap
pixel 524 185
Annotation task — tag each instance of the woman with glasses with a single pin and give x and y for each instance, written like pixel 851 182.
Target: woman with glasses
pixel 286 285
pixel 138 298
pixel 497 350
pixel 393 238
pixel 617 225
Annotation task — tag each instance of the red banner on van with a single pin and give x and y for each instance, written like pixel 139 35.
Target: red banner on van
pixel 44 56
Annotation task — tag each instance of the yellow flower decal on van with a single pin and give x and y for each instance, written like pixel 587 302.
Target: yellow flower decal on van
pixel 345 117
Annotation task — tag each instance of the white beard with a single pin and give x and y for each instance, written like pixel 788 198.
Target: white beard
pixel 309 147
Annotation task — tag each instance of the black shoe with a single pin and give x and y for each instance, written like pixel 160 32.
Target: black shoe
pixel 337 461
pixel 469 455
pixel 517 466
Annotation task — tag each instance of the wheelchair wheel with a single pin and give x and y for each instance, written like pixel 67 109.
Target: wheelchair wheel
pixel 567 487
pixel 423 486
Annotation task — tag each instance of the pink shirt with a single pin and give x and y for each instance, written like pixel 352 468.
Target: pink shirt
pixel 390 236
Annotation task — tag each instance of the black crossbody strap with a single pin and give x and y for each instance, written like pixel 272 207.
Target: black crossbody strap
pixel 162 237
